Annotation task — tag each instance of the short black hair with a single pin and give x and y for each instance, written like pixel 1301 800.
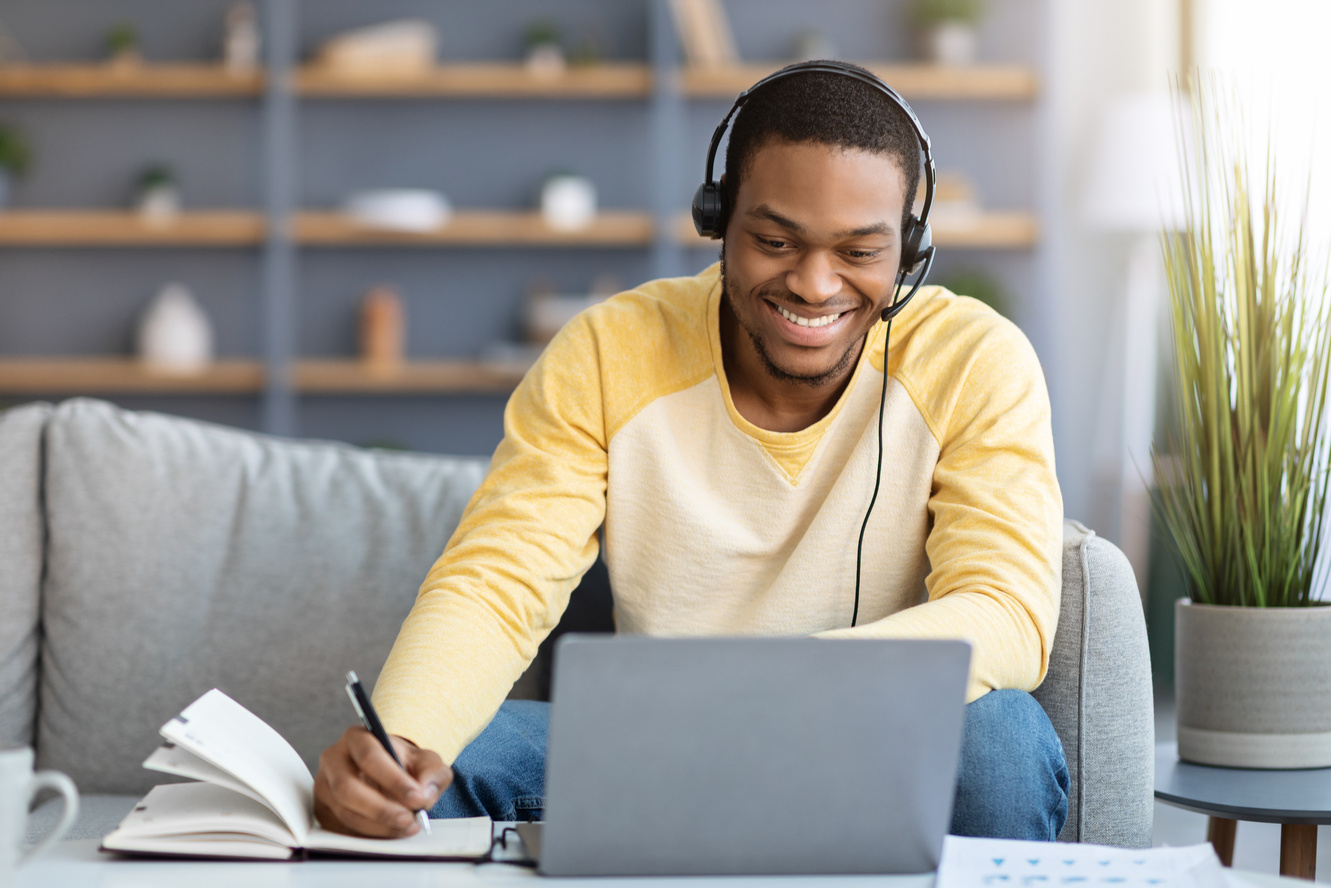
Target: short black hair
pixel 826 109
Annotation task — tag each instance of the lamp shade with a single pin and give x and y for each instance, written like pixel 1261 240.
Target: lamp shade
pixel 1135 182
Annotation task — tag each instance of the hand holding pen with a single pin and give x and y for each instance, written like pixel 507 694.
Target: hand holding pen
pixel 360 790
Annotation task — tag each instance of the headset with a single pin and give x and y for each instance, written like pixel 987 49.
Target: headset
pixel 711 208
pixel 711 211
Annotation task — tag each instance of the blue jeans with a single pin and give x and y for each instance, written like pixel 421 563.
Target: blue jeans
pixel 1012 781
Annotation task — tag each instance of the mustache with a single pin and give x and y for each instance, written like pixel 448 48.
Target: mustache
pixel 775 292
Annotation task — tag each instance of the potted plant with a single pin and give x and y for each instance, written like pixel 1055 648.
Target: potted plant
pixel 1244 489
pixel 14 159
pixel 545 48
pixel 947 29
pixel 158 194
pixel 122 45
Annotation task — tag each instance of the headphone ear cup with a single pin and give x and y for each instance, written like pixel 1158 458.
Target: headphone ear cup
pixel 915 243
pixel 709 210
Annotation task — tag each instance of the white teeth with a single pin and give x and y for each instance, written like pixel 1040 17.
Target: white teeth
pixel 808 322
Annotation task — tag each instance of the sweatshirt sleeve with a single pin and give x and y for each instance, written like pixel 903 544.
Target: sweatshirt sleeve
pixel 995 545
pixel 504 579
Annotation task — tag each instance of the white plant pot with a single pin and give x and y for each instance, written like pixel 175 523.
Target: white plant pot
pixel 159 204
pixel 950 43
pixel 1253 685
pixel 6 183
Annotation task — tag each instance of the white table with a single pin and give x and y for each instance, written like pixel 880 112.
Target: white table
pixel 78 864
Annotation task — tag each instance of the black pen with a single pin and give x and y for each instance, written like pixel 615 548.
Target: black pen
pixel 370 718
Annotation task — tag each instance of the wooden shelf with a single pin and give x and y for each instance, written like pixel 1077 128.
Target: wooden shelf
pixel 914 82
pixel 344 376
pixel 116 228
pixel 993 231
pixel 183 80
pixel 37 376
pixel 478 228
pixel 611 80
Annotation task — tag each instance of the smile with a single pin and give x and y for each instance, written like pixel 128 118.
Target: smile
pixel 808 322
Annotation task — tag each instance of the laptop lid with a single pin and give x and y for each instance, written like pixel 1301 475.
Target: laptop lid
pixel 716 756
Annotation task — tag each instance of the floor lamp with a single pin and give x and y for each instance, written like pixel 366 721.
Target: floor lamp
pixel 1134 188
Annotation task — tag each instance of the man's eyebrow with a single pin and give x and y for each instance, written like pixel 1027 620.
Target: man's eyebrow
pixel 763 211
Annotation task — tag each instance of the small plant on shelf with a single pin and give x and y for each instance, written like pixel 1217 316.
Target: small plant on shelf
pixel 545 49
pixel 947 29
pixel 15 157
pixel 122 44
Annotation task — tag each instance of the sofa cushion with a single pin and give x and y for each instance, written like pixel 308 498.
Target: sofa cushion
pixel 184 556
pixel 1098 695
pixel 20 569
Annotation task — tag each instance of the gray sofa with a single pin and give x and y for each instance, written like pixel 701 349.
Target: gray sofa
pixel 146 558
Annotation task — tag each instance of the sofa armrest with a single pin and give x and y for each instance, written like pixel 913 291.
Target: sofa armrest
pixel 1098 695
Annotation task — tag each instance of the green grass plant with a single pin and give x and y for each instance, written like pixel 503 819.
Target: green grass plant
pixel 1244 490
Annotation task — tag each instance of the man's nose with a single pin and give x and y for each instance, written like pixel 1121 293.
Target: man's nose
pixel 814 279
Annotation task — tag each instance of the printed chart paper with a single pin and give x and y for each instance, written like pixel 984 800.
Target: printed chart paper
pixel 1008 863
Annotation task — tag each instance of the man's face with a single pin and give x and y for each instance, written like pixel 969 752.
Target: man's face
pixel 811 255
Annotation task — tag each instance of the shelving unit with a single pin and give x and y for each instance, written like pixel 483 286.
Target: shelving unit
pixel 145 81
pixel 302 258
pixel 490 81
pixel 121 228
pixel 915 82
pixel 478 228
pixel 343 376
pixel 101 376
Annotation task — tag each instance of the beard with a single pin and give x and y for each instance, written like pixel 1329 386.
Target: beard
pixel 775 370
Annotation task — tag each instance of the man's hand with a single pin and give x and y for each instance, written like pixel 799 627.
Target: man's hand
pixel 360 789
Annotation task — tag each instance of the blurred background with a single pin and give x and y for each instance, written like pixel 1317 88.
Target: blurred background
pixel 330 220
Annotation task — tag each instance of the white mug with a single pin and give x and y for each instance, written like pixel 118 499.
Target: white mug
pixel 18 785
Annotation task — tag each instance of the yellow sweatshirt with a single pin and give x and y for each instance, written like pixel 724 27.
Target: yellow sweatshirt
pixel 713 526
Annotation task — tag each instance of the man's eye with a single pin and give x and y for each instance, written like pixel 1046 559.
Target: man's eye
pixel 862 254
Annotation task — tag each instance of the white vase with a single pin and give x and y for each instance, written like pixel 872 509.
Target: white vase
pixel 175 335
pixel 1253 685
pixel 568 203
pixel 950 43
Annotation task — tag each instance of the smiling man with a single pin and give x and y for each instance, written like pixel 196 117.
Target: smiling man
pixel 717 440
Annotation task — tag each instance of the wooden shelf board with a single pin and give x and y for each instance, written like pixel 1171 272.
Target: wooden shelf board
pixel 997 230
pixel 914 82
pixel 147 80
pixel 350 376
pixel 33 376
pixel 108 228
pixel 477 228
pixel 610 80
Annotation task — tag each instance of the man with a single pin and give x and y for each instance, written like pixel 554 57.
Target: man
pixel 722 433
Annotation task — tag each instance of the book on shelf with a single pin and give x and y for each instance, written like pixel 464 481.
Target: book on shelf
pixel 254 798
pixel 705 33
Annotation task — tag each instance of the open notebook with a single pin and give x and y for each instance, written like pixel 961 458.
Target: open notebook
pixel 255 799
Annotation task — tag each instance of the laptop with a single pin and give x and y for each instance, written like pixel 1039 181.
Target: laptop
pixel 749 756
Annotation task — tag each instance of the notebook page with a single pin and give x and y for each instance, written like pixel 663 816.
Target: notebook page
pixel 228 736
pixel 466 838
pixel 193 811
pixel 181 762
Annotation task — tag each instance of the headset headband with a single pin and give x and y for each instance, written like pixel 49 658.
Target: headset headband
pixel 848 71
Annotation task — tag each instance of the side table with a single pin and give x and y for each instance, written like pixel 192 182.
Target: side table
pixel 1299 800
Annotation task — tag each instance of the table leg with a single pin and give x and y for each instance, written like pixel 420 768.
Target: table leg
pixel 1220 833
pixel 1298 850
